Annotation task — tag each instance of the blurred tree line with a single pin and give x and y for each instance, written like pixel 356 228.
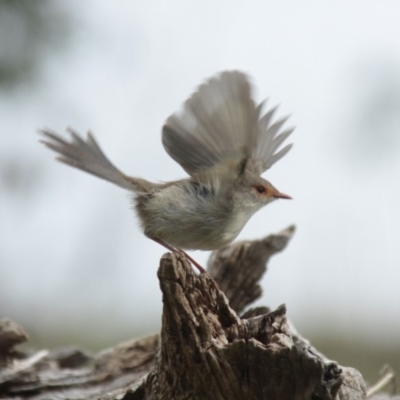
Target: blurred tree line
pixel 29 29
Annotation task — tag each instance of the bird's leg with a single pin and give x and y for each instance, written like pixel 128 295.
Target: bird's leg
pixel 166 245
pixel 174 250
pixel 200 268
pixel 195 263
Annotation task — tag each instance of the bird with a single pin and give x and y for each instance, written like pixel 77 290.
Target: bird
pixel 224 141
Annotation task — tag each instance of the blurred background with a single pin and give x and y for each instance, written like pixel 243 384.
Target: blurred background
pixel 75 268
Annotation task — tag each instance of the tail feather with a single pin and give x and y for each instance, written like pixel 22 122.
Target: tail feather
pixel 87 156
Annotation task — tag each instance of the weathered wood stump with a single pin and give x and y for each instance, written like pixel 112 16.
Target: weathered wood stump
pixel 205 349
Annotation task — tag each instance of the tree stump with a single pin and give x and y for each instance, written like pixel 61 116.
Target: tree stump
pixel 208 348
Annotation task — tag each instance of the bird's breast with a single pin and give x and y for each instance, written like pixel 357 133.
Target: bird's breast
pixel 190 216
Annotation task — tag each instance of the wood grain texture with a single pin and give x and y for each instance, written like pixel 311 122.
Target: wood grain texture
pixel 204 351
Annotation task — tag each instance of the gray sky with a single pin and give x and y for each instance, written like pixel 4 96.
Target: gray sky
pixel 70 245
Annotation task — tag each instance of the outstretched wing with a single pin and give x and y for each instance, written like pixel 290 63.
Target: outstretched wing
pixel 221 122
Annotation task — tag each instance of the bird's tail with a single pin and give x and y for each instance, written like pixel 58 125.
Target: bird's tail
pixel 87 156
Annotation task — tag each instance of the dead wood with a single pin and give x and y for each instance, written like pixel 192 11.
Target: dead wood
pixel 205 350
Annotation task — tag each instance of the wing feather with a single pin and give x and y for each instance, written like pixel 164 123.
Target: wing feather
pixel 221 122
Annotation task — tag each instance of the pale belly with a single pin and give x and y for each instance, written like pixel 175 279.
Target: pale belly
pixel 203 227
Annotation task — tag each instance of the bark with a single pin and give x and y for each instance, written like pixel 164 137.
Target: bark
pixel 204 351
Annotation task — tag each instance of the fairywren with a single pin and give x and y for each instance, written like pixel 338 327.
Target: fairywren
pixel 223 141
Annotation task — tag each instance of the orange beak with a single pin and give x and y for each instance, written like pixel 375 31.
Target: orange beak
pixel 279 195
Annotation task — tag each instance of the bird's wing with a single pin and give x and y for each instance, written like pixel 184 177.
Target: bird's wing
pixel 266 152
pixel 221 122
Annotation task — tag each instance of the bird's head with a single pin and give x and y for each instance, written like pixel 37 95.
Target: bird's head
pixel 255 192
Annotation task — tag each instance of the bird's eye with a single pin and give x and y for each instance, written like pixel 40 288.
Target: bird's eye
pixel 260 189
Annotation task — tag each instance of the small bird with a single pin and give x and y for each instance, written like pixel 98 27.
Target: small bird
pixel 222 139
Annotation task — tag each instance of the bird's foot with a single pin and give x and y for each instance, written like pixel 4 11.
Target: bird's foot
pixel 192 261
pixel 200 268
